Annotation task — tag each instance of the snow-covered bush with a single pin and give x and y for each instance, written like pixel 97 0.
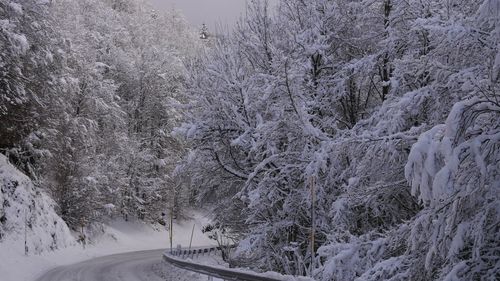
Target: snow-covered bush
pixel 454 170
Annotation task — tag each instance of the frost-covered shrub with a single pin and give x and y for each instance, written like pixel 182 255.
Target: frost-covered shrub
pixel 454 171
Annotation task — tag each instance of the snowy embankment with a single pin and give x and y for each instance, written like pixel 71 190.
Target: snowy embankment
pixel 51 243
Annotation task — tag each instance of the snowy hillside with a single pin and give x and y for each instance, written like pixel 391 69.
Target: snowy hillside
pixel 25 211
pixel 49 240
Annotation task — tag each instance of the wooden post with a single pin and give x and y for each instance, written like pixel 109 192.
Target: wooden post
pixel 191 240
pixel 25 232
pixel 313 224
pixel 171 226
pixel 83 236
pixel 179 250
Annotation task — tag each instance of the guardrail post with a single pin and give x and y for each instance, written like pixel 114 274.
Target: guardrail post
pixel 178 251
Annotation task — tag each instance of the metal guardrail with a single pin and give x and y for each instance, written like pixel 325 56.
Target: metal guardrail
pixel 190 253
pixel 176 258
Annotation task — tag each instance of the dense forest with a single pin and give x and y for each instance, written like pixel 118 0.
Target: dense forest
pixel 89 95
pixel 339 139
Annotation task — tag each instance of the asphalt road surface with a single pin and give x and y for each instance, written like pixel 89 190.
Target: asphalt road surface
pixel 132 266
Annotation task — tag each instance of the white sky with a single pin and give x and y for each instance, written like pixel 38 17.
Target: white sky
pixel 211 12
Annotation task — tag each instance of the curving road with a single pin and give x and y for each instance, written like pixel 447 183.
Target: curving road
pixel 132 266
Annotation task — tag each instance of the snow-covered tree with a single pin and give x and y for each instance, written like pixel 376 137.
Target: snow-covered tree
pixel 308 118
pixel 91 96
pixel 31 78
pixel 128 64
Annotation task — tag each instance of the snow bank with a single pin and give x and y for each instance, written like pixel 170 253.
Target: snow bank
pixel 26 212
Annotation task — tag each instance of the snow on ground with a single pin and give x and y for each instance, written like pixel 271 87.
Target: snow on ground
pixel 27 212
pixel 120 236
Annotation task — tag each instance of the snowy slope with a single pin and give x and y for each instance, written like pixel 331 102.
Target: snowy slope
pixel 49 240
pixel 26 213
pixel 25 210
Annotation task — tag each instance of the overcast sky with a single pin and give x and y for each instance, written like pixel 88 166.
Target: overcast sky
pixel 207 11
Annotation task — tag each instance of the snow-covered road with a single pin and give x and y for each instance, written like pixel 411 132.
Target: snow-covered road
pixel 131 266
